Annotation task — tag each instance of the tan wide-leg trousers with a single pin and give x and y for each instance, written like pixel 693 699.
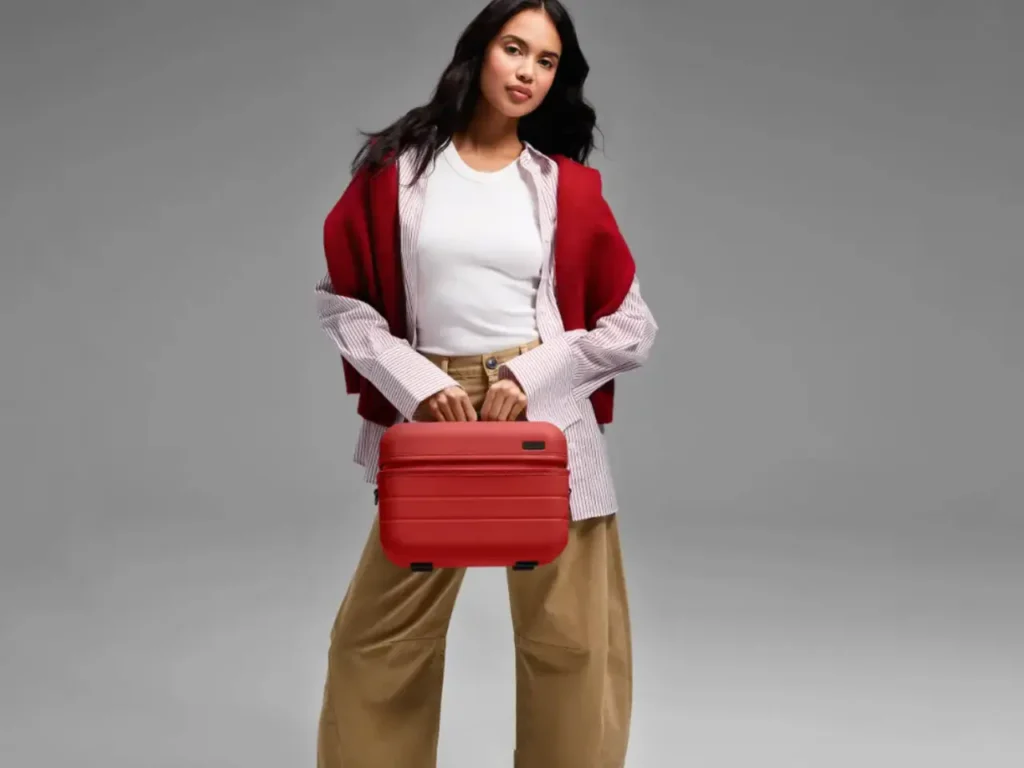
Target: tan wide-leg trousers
pixel 382 697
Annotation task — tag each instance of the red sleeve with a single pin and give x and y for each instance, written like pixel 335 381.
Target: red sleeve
pixel 346 238
pixel 610 265
pixel 610 273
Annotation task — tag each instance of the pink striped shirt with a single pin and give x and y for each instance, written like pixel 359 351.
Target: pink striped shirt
pixel 558 376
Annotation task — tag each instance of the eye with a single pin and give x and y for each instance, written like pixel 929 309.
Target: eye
pixel 511 50
pixel 547 63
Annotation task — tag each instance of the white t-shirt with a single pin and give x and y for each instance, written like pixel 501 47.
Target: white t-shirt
pixel 479 255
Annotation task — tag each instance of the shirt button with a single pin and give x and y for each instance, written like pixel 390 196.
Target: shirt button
pixel 491 363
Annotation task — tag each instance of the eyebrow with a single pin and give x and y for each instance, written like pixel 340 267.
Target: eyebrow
pixel 526 45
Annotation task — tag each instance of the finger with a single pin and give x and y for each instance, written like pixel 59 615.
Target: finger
pixel 485 409
pixel 467 408
pixel 455 401
pixel 508 402
pixel 435 411
pixel 458 409
pixel 445 407
pixel 518 407
pixel 499 406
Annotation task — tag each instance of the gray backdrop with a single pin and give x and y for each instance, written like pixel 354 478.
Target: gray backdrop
pixel 819 469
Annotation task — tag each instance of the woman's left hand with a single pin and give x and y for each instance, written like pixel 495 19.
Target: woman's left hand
pixel 504 401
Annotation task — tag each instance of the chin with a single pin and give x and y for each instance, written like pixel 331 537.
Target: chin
pixel 504 106
pixel 517 110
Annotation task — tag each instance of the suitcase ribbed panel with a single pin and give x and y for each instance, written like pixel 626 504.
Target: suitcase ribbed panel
pixel 468 494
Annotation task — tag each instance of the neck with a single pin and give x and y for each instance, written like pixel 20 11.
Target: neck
pixel 490 132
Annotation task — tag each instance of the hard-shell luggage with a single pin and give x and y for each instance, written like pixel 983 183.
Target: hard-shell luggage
pixel 469 494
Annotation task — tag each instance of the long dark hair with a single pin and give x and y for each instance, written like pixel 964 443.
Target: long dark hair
pixel 563 124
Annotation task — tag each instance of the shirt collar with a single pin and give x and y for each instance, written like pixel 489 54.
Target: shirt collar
pixel 533 156
pixel 532 159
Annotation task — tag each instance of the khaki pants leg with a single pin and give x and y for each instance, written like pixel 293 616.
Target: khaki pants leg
pixel 382 698
pixel 385 672
pixel 573 654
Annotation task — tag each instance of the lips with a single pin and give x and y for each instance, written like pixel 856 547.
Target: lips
pixel 518 89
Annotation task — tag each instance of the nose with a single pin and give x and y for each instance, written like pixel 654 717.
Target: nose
pixel 525 75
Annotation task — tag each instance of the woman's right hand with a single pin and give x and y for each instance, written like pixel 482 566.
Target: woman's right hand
pixel 451 404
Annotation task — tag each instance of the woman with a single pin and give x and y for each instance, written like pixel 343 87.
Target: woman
pixel 445 274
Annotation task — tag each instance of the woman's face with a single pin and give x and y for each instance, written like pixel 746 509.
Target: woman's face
pixel 520 63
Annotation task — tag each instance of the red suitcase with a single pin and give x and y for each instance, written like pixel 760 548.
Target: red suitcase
pixel 465 494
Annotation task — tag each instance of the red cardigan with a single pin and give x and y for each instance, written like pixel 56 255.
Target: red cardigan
pixel 593 265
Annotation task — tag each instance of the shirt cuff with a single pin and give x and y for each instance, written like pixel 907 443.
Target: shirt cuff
pixel 545 374
pixel 406 378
